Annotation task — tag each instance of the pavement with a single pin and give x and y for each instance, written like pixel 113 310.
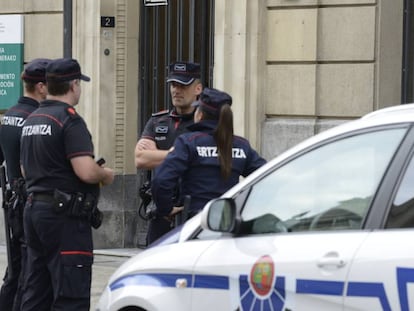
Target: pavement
pixel 106 261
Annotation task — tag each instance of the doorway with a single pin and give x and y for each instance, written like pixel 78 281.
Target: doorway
pixel 183 30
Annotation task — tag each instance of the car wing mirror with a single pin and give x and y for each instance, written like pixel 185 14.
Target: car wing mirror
pixel 220 215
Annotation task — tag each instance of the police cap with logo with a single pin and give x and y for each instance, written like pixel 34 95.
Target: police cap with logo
pixel 35 71
pixel 183 72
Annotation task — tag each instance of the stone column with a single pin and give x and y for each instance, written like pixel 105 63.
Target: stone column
pixel 109 104
pixel 238 62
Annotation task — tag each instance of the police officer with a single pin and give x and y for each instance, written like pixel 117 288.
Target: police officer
pixel 162 128
pixel 62 181
pixel 209 160
pixel 35 90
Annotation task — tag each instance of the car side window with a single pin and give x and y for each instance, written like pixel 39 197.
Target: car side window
pixel 327 188
pixel 402 211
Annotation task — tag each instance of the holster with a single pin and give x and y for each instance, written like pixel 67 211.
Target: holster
pixel 62 201
pixel 79 205
pixel 15 205
pixel 145 192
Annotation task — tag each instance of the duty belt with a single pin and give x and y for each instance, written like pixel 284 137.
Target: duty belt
pixel 42 196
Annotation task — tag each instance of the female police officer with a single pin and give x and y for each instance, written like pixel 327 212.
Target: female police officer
pixel 209 159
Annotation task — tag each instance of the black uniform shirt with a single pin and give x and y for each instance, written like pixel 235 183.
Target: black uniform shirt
pixel 10 133
pixel 51 136
pixel 164 127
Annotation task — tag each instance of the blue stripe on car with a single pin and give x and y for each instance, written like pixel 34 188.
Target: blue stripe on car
pixel 405 276
pixel 360 289
pixel 211 281
pixel 319 287
pixel 168 280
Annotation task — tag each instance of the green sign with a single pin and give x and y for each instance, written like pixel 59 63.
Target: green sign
pixel 11 59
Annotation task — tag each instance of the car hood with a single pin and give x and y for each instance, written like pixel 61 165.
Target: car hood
pixel 153 260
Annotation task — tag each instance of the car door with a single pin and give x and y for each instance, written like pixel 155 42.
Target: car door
pixel 382 275
pixel 301 225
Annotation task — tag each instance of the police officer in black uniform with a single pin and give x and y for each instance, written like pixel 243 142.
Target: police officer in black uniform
pixel 35 90
pixel 209 160
pixel 63 181
pixel 162 128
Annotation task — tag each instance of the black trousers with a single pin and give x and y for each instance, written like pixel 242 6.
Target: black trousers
pixel 59 260
pixel 11 290
pixel 157 228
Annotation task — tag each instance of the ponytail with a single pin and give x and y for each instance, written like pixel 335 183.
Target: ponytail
pixel 223 135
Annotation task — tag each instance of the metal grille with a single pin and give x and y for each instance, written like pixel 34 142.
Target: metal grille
pixel 180 31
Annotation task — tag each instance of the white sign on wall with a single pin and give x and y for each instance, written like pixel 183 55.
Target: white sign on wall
pixel 155 2
pixel 11 28
pixel 11 59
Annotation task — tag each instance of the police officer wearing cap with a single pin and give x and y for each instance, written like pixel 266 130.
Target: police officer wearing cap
pixel 62 180
pixel 162 128
pixel 209 160
pixel 35 90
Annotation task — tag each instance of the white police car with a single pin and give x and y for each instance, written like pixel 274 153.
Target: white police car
pixel 328 225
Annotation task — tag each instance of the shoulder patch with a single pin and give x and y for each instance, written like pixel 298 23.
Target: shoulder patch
pixel 160 113
pixel 72 112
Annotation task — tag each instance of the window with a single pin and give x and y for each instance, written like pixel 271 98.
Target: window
pixel 402 211
pixel 328 188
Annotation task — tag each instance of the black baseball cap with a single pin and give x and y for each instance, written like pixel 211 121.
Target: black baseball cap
pixel 35 70
pixel 212 100
pixel 64 69
pixel 183 72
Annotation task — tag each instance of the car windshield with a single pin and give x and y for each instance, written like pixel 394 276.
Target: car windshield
pixel 170 237
pixel 328 188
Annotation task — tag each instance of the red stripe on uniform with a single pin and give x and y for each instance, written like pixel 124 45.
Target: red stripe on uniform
pixel 76 253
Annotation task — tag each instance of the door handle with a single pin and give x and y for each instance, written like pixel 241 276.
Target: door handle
pixel 181 283
pixel 331 260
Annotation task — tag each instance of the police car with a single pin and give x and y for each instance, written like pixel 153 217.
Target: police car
pixel 328 225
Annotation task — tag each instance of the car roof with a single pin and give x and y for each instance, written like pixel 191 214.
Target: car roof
pixel 393 111
pixel 390 115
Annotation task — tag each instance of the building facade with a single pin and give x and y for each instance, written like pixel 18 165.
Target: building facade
pixel 293 67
